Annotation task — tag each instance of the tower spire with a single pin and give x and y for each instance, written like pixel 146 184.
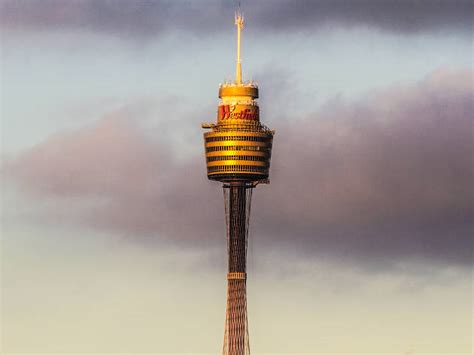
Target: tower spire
pixel 239 22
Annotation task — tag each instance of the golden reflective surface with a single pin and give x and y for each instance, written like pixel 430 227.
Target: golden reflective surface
pixel 238 151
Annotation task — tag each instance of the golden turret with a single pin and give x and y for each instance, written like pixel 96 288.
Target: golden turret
pixel 238 147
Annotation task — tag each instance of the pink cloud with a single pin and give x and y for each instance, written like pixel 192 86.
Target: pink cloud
pixel 388 175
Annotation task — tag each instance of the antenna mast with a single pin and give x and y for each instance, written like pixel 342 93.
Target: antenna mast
pixel 239 22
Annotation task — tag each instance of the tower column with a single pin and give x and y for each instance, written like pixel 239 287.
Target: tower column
pixel 237 199
pixel 237 230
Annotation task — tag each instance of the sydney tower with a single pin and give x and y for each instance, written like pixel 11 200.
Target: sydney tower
pixel 238 150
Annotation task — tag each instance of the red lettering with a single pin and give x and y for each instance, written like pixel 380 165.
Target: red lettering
pixel 224 112
pixel 227 112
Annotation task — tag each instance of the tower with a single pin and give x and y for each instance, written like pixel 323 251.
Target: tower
pixel 238 150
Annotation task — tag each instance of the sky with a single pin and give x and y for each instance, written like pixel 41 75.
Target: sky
pixel 113 239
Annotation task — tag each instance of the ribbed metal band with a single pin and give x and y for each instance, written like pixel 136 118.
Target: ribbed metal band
pixel 237 276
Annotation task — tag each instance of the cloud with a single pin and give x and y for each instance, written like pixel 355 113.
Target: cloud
pixel 379 180
pixel 143 19
pixel 386 177
pixel 133 184
pixel 406 16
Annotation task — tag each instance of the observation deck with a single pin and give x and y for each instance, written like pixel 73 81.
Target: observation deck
pixel 238 147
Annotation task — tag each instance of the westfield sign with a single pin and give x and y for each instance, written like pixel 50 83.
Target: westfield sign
pixel 238 112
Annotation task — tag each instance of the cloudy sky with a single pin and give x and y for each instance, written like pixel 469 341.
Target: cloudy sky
pixel 113 238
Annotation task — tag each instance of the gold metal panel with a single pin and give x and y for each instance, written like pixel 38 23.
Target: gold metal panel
pixel 237 133
pixel 237 143
pixel 256 153
pixel 236 276
pixel 238 172
pixel 238 162
pixel 236 90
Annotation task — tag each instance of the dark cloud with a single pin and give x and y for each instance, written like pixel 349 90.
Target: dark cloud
pixel 382 179
pixel 150 18
pixel 386 177
pixel 117 17
pixel 404 16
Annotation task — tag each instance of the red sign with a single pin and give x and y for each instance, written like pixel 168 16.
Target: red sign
pixel 238 112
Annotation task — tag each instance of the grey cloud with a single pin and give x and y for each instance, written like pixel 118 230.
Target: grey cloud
pixel 142 19
pixel 379 180
pixel 403 16
pixel 387 177
pixel 124 18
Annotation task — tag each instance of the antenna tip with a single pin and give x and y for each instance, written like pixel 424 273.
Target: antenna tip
pixel 239 18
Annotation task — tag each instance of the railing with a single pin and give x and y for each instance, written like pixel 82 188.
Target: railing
pixel 248 84
pixel 238 138
pixel 250 102
pixel 253 127
pixel 238 157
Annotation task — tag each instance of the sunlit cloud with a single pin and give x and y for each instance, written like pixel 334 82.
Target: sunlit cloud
pixel 375 180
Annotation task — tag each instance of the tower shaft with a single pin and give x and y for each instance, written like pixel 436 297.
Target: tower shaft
pixel 237 238
pixel 237 199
